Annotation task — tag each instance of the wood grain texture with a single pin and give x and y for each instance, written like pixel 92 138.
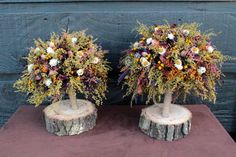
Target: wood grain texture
pixel 112 24
pixel 68 1
pixel 20 23
pixel 176 126
pixel 60 119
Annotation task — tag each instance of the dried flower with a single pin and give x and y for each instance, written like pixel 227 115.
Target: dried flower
pixel 156 29
pixel 80 72
pixel 80 54
pixel 30 67
pixel 52 72
pixel 135 45
pixel 178 64
pixel 149 41
pixel 37 50
pixel 50 50
pixel 95 60
pixel 51 44
pixel 144 62
pixel 44 69
pixel 38 77
pixel 43 57
pixel 201 70
pixel 210 49
pixel 170 36
pixel 144 54
pixel 48 82
pixel 162 51
pixel 195 50
pixel 74 40
pixel 70 53
pixel 155 42
pixel 53 62
pixel 186 32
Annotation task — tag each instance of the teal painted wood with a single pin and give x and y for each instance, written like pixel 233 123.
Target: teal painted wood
pixel 112 23
pixel 20 23
pixel 68 1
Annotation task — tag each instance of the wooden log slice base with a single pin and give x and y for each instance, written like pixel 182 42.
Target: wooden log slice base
pixel 171 128
pixel 61 119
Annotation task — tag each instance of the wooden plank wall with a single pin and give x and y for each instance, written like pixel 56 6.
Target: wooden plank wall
pixel 112 23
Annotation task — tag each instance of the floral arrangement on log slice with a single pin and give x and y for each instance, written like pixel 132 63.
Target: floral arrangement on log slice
pixel 66 64
pixel 171 59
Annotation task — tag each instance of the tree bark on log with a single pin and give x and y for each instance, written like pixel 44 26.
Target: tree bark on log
pixel 177 125
pixel 61 119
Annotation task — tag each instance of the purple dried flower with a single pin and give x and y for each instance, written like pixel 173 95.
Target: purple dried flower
pixel 122 76
pixel 38 77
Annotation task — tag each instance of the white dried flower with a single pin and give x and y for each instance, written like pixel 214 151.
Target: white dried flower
pixel 149 41
pixel 210 49
pixel 186 32
pixel 50 50
pixel 178 64
pixel 170 36
pixel 136 44
pixel 37 50
pixel 80 72
pixel 156 29
pixel 162 51
pixel 95 60
pixel 74 40
pixel 201 70
pixel 48 82
pixel 195 50
pixel 30 67
pixel 53 62
pixel 144 62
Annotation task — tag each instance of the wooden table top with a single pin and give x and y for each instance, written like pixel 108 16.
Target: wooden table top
pixel 116 134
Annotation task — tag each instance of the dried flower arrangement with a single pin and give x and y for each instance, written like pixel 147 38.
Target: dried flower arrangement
pixel 66 64
pixel 170 59
pixel 173 58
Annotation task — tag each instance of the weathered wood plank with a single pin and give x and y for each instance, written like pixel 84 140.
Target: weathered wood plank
pixel 69 1
pixel 9 100
pixel 112 26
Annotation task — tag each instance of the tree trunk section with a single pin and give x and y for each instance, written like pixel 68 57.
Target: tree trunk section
pixel 166 104
pixel 72 97
pixel 177 125
pixel 61 119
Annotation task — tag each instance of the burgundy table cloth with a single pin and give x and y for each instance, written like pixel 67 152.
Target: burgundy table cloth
pixel 115 135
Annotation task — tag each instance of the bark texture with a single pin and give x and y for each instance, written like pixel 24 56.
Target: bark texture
pixel 62 120
pixel 162 128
